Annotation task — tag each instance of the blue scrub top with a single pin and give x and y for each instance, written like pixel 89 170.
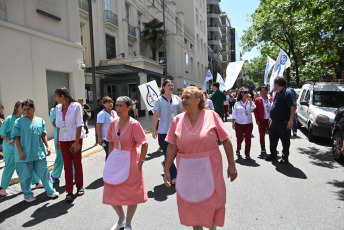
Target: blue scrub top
pixel 30 138
pixel 52 119
pixel 5 130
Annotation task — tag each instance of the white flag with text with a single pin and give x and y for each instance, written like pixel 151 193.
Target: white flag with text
pixel 270 63
pixel 282 63
pixel 208 77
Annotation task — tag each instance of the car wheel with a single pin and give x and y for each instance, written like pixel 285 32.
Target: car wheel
pixel 310 133
pixel 337 143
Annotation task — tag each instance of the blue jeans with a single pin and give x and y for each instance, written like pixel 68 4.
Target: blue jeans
pixel 164 144
pixel 295 125
pixel 105 145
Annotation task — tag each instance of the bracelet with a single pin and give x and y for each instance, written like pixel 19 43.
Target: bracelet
pixel 142 160
pixel 10 141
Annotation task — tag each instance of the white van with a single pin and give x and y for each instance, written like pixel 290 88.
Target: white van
pixel 316 107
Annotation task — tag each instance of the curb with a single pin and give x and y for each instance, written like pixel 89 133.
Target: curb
pixel 85 154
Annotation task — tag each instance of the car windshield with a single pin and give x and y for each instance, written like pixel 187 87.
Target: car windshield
pixel 332 99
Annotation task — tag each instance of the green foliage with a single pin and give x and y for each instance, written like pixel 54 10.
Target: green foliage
pixel 246 82
pixel 153 35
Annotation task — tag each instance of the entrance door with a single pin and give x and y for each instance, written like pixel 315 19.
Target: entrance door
pixel 115 91
pixel 55 80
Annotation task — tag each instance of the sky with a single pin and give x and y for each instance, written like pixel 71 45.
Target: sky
pixel 238 12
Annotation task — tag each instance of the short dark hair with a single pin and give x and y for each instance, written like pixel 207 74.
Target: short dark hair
pixel 126 100
pixel 216 84
pixel 280 81
pixel 28 102
pixel 164 83
pixel 107 99
pixel 263 87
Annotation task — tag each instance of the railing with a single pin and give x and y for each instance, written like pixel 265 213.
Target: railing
pixel 83 4
pixel 111 17
pixel 131 31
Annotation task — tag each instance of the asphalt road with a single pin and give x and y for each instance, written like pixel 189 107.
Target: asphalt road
pixel 307 194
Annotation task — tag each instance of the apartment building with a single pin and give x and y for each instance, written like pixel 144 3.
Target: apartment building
pixel 40 51
pixel 226 41
pixel 122 57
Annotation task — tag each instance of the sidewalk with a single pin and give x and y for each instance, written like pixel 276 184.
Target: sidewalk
pixel 89 145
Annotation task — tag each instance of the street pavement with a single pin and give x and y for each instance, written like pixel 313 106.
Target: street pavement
pixel 306 194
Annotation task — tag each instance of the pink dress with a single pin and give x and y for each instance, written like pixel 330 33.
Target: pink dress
pixel 201 190
pixel 123 182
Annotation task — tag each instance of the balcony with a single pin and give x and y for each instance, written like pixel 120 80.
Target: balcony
pixel 215 4
pixel 224 39
pixel 131 31
pixel 83 4
pixel 215 30
pixel 111 18
pixel 215 18
pixel 216 43
pixel 218 57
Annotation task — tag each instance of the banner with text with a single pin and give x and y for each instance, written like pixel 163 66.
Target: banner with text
pixel 282 63
pixel 232 72
pixel 150 93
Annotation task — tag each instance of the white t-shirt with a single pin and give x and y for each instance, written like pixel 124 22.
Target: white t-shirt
pixel 226 102
pixel 209 104
pixel 105 118
pixel 242 112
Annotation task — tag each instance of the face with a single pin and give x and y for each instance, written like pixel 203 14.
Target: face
pixel 108 105
pixel 20 110
pixel 121 108
pixel 168 87
pixel 215 88
pixel 28 111
pixel 189 101
pixel 58 98
pixel 263 92
pixel 81 102
pixel 245 96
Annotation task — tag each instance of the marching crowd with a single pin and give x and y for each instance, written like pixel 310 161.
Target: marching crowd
pixel 189 128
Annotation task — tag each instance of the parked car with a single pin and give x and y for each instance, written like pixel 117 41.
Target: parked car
pixel 338 135
pixel 316 107
pixel 297 91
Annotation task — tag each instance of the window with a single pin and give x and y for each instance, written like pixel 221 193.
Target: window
pixel 127 12
pixel 110 47
pixel 108 5
pixel 190 46
pixel 186 62
pixel 185 41
pixel 191 65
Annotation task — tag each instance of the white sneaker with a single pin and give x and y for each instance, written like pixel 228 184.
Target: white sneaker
pixel 127 227
pixel 30 199
pixel 118 225
pixel 3 192
pixel 54 195
pixel 39 185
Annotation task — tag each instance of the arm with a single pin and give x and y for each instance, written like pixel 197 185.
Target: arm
pixel 77 138
pixel 57 139
pixel 8 140
pixel 170 154
pixel 291 117
pixel 45 141
pixel 234 116
pixel 143 154
pixel 20 150
pixel 89 109
pixel 231 171
pixel 99 133
pixel 110 147
pixel 155 122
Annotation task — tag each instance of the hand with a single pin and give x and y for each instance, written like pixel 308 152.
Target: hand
pixel 258 123
pixel 139 164
pixel 233 126
pixel 269 122
pixel 232 173
pixel 167 178
pixel 11 143
pixel 155 134
pixel 22 156
pixel 48 152
pixel 290 124
pixel 76 146
pixel 249 97
pixel 58 145
pixel 100 141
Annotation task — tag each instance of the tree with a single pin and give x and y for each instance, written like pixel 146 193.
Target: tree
pixel 153 35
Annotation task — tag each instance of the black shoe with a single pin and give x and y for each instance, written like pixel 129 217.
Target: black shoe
pixel 263 150
pixel 238 153
pixel 271 157
pixel 284 161
pixel 247 157
pixel 87 132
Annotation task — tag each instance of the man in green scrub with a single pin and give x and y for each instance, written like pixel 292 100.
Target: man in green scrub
pixel 218 98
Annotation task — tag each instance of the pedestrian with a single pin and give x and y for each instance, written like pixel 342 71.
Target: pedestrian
pixel 262 115
pixel 209 103
pixel 282 115
pixel 242 120
pixel 166 108
pixel 218 98
pixel 30 155
pixel 69 123
pixel 123 176
pixel 100 106
pixel 135 109
pixel 86 113
pixel 201 190
pixel 58 163
pixel 226 106
pixel 104 118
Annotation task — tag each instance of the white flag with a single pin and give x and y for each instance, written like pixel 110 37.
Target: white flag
pixel 270 63
pixel 219 79
pixel 232 72
pixel 149 92
pixel 282 63
pixel 185 84
pixel 207 78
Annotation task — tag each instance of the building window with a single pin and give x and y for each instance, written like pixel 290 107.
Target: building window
pixel 127 12
pixel 110 47
pixel 185 41
pixel 186 62
pixel 108 5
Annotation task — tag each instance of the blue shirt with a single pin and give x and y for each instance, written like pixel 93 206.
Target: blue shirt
pixel 280 109
pixel 165 108
pixel 105 118
pixel 5 130
pixel 30 134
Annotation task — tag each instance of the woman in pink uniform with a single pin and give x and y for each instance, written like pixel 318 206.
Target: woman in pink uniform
pixel 201 191
pixel 123 177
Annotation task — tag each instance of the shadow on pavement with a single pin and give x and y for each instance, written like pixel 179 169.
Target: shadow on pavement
pixel 340 185
pixel 247 162
pixel 96 184
pixel 156 154
pixel 289 170
pixel 48 212
pixel 318 140
pixel 161 192
pixel 319 158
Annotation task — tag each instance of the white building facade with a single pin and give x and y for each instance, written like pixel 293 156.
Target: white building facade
pixel 40 50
